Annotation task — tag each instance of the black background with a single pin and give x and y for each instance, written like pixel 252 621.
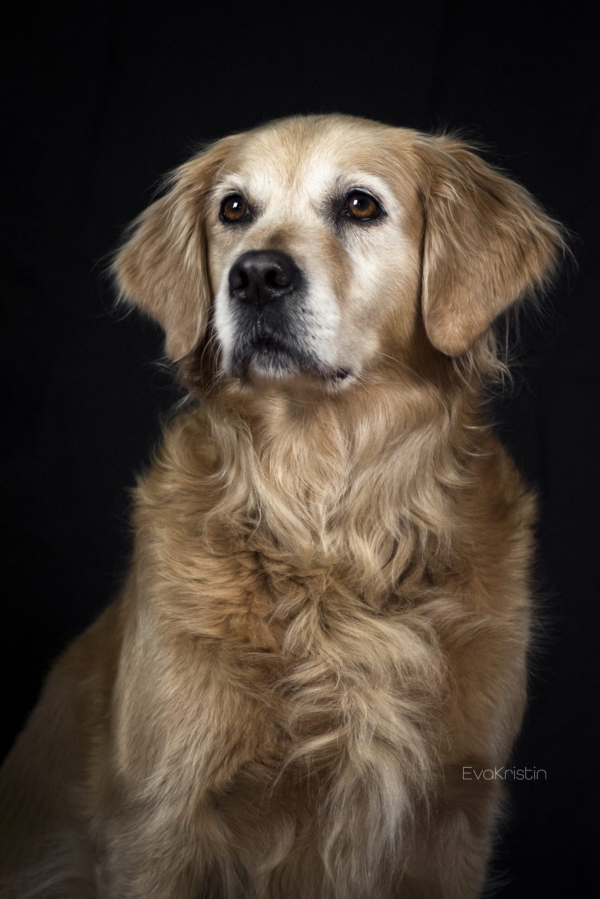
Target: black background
pixel 102 98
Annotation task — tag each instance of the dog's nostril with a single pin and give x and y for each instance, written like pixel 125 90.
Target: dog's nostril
pixel 277 278
pixel 238 278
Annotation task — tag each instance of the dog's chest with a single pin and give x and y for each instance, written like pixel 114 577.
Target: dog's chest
pixel 339 680
pixel 343 700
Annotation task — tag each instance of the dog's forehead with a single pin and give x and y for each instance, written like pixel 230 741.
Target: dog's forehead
pixel 312 156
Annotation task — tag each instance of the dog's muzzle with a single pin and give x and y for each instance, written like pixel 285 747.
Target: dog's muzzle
pixel 273 324
pixel 266 288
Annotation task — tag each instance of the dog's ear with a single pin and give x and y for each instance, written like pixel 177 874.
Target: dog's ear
pixel 486 245
pixel 162 267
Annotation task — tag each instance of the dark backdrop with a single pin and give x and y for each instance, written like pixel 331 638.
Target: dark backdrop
pixel 104 97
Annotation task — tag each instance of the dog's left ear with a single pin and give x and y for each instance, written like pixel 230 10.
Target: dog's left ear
pixel 487 244
pixel 162 268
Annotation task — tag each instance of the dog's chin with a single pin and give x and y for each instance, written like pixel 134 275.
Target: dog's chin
pixel 271 362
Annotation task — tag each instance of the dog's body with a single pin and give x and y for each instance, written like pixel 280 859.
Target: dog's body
pixel 327 614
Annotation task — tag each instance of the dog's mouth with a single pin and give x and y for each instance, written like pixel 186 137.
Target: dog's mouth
pixel 264 353
pixel 271 355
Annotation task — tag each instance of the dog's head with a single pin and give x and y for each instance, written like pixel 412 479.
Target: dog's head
pixel 316 247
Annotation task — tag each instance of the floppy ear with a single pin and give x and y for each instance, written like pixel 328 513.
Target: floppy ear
pixel 487 244
pixel 162 266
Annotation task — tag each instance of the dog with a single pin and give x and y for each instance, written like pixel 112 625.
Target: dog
pixel 327 616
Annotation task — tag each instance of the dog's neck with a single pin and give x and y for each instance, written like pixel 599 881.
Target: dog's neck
pixel 363 480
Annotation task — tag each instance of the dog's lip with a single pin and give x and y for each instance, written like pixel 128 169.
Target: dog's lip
pixel 332 376
pixel 262 350
pixel 266 341
pixel 266 344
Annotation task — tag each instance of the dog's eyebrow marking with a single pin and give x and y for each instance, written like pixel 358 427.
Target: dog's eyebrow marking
pixel 222 188
pixel 368 182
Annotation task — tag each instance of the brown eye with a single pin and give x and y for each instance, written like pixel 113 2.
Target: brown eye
pixel 234 208
pixel 361 206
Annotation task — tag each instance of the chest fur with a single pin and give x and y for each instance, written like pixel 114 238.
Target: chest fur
pixel 334 676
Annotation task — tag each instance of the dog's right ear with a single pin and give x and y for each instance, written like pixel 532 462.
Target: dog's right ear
pixel 162 267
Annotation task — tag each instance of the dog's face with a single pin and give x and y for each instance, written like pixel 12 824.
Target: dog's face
pixel 312 250
pixel 315 247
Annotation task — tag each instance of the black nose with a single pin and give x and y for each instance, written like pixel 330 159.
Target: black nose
pixel 263 276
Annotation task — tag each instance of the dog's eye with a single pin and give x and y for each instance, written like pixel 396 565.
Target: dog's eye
pixel 361 206
pixel 234 208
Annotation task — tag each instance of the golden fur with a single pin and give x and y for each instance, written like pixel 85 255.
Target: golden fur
pixel 328 610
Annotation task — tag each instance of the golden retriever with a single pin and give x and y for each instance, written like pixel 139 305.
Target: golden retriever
pixel 327 615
